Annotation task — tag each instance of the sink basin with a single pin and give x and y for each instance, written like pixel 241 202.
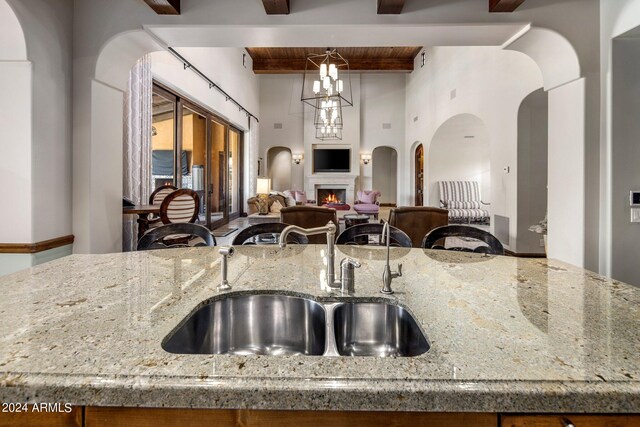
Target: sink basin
pixel 377 329
pixel 252 324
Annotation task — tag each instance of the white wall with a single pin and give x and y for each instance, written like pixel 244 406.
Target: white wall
pixel 533 140
pixel 617 17
pixel 223 66
pixel 382 102
pixel 625 157
pixel 36 121
pixel 279 97
pixel 485 86
pixel 452 157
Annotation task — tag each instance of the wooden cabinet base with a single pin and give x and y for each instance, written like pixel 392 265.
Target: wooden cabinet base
pixel 147 417
pixel 32 418
pixel 566 420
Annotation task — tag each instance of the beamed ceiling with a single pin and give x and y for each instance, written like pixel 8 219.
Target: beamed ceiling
pixel 283 7
pixel 292 60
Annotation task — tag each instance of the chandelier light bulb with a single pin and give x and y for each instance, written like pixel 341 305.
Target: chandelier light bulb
pixel 333 71
pixel 326 83
pixel 323 71
pixel 339 86
pixel 316 86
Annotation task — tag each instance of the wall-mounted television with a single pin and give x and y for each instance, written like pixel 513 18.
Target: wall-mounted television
pixel 331 160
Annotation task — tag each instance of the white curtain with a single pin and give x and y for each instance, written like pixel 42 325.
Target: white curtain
pixel 137 144
pixel 254 129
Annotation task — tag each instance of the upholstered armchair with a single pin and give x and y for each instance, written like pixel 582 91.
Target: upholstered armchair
pixel 367 203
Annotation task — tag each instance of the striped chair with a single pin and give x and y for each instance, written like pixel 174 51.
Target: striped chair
pixel 156 198
pixel 462 200
pixel 160 193
pixel 180 206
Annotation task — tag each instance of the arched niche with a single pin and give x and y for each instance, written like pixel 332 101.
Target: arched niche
pixel 13 45
pixel 385 173
pixel 459 151
pixel 279 168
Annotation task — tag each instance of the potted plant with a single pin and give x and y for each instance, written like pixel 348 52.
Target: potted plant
pixel 541 228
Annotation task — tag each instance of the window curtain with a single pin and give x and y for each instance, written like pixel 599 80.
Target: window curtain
pixel 137 144
pixel 254 129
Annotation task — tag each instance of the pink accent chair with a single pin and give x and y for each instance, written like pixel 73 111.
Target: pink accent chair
pixel 368 203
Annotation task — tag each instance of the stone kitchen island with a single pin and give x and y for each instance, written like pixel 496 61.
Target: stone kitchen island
pixel 509 338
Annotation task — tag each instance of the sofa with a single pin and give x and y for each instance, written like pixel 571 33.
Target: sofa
pixel 286 198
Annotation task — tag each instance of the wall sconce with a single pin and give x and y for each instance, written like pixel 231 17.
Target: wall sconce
pixel 297 158
pixel 366 158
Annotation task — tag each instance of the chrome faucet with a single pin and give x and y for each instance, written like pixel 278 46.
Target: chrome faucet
pixel 226 252
pixel 388 275
pixel 347 280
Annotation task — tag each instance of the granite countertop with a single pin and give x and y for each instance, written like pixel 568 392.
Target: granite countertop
pixel 506 334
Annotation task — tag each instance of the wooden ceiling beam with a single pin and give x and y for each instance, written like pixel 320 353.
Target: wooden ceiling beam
pixel 390 7
pixel 294 66
pixel 164 7
pixel 504 5
pixel 276 7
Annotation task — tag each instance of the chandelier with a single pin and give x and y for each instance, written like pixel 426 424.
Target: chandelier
pixel 326 86
pixel 328 119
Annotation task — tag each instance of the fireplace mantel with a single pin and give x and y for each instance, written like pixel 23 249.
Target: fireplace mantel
pixel 332 180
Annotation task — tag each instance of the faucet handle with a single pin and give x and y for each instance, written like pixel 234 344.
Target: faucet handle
pixel 399 270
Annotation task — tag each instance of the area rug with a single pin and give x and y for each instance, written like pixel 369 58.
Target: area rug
pixel 224 231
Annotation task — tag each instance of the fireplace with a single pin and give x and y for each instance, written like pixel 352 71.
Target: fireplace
pixel 331 196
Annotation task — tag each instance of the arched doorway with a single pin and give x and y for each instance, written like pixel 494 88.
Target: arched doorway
pixel 460 151
pixel 385 174
pixel 419 176
pixel 279 168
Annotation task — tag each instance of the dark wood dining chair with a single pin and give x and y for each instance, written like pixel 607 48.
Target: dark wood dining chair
pixel 310 217
pixel 492 245
pixel 160 193
pixel 359 235
pixel 165 236
pixel 417 221
pixel 268 233
pixel 179 206
pixel 156 198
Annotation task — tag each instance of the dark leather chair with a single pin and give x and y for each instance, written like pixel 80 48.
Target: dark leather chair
pixel 309 217
pixel 417 221
pixel 492 247
pixel 359 235
pixel 252 235
pixel 183 233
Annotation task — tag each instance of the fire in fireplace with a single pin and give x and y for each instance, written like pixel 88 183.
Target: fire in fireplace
pixel 331 195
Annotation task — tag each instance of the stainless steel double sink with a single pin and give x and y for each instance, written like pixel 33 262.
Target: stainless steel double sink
pixel 275 324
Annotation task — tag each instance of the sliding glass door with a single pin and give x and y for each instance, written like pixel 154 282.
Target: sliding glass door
pixel 204 149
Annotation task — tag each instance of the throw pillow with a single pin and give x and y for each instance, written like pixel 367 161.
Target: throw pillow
pixel 301 197
pixel 276 206
pixel 368 197
pixel 290 198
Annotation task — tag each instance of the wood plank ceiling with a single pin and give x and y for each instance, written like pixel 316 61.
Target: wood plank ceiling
pixel 164 7
pixel 291 60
